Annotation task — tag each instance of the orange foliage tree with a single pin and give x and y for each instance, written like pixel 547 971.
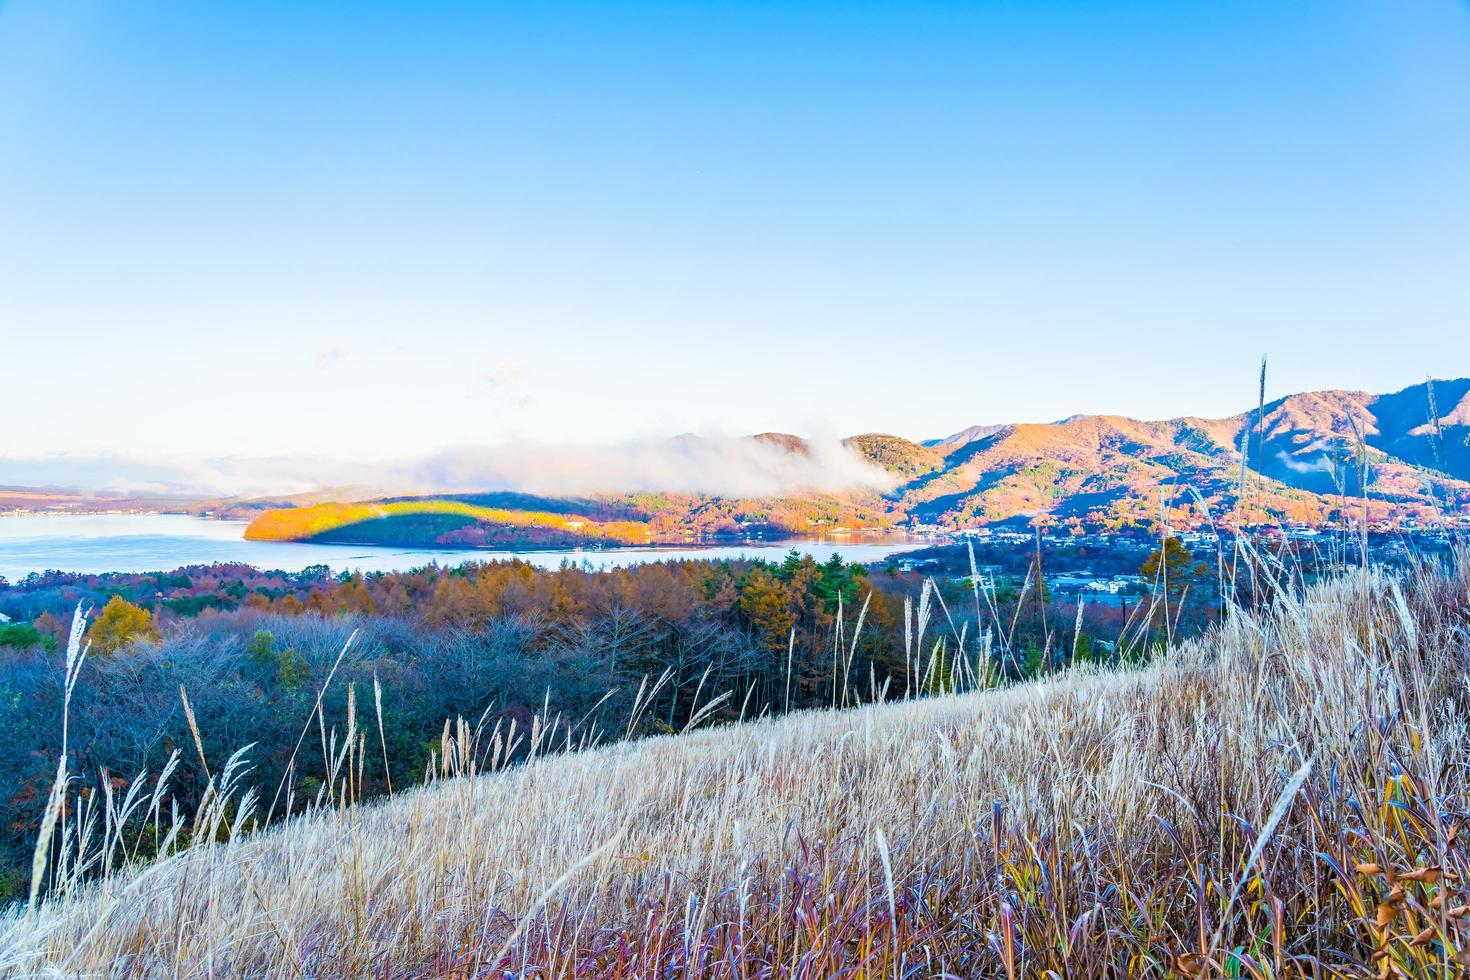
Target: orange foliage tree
pixel 120 623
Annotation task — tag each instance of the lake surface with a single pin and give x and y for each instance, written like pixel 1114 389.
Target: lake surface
pixel 90 543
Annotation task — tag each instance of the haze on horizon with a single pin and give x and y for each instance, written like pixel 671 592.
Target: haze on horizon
pixel 375 231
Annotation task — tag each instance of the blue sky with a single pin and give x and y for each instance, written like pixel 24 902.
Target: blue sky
pixel 372 229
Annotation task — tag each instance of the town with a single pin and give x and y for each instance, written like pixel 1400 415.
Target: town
pixel 1105 567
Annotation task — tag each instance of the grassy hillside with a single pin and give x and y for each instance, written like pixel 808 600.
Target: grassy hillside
pixel 622 519
pixel 1282 798
pixel 436 522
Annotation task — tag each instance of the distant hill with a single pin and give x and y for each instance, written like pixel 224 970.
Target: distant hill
pixel 966 436
pixel 1304 457
pixel 1307 457
pixel 1101 469
pixel 795 445
pixel 1307 435
pixel 897 455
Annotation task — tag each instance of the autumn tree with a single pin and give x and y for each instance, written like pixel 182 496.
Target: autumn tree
pixel 1174 566
pixel 353 596
pixel 767 603
pixel 51 626
pixel 120 623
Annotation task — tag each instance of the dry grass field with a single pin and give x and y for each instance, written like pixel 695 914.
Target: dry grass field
pixel 1284 797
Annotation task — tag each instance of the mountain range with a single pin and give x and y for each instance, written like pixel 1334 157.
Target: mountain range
pixel 1310 457
pixel 1306 455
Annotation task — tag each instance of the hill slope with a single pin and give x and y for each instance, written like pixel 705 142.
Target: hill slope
pixel 1087 825
pixel 1307 436
pixel 1303 457
pixel 1092 471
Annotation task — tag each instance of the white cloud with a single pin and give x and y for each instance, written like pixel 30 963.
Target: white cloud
pixel 726 467
pixel 329 358
pixel 1297 464
pixel 732 467
pixel 505 373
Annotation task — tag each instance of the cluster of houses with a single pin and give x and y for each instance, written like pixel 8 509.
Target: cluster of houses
pixel 1085 582
pixel 1092 564
pixel 991 577
pixel 1201 537
pixel 1192 539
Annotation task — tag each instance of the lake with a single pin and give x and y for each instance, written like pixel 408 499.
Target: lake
pixel 90 543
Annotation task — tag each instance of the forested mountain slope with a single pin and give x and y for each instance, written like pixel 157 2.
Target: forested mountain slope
pixel 1308 457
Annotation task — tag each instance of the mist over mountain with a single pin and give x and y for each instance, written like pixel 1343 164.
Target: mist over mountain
pixel 1307 454
pixel 771 464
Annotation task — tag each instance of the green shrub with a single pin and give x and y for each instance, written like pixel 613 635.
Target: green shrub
pixel 261 647
pixel 23 636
